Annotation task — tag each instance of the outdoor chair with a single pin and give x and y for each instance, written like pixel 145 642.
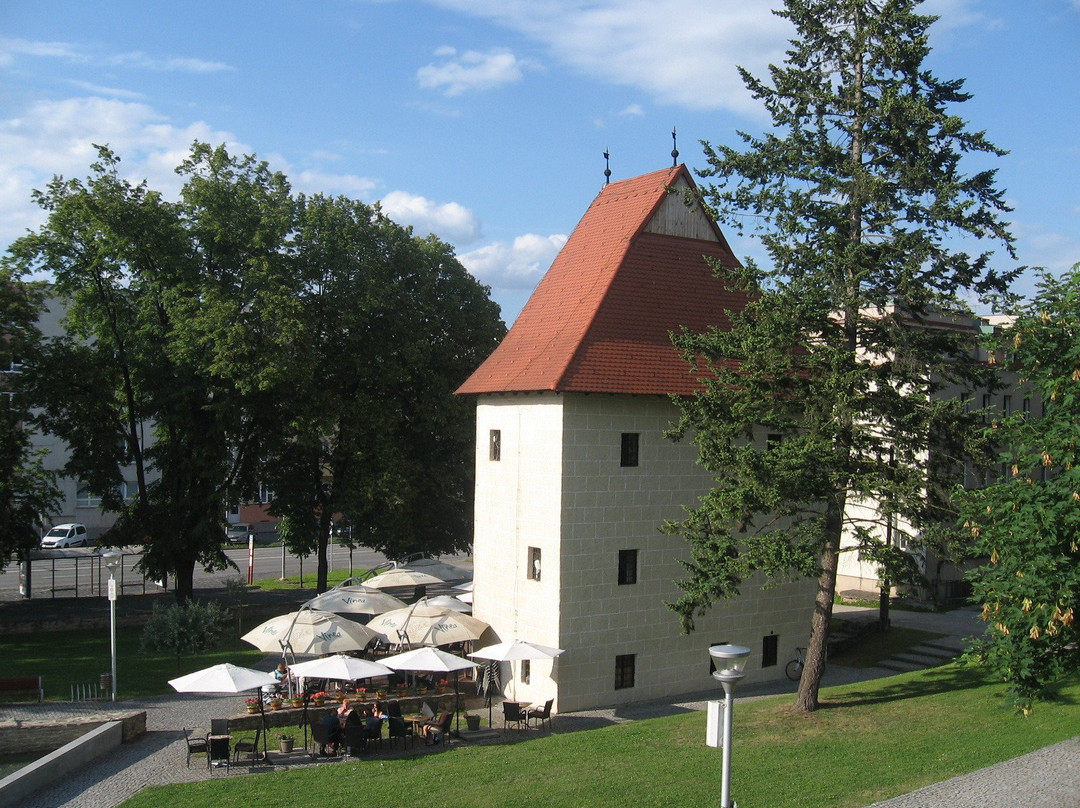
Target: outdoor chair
pixel 400 728
pixel 393 708
pixel 195 746
pixel 247 747
pixel 320 738
pixel 219 726
pixel 438 728
pixel 219 753
pixel 541 714
pixel 355 738
pixel 513 714
pixel 373 733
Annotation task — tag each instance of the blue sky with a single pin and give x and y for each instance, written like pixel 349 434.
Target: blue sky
pixel 485 121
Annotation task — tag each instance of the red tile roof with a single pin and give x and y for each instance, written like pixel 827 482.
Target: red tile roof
pixel 599 321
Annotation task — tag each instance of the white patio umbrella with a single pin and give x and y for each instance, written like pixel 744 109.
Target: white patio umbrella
pixel 513 650
pixel 227 678
pixel 465 587
pixel 401 576
pixel 224 678
pixel 355 600
pixel 450 602
pixel 432 660
pixel 310 632
pixel 421 624
pixel 341 667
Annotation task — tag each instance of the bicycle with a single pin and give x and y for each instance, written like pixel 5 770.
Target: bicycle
pixel 794 668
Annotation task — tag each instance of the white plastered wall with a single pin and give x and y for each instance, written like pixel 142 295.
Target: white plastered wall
pixel 559 486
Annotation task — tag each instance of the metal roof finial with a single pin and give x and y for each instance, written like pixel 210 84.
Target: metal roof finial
pixel 674 148
pixel 607 167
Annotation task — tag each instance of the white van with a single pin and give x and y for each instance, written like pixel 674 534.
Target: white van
pixel 70 535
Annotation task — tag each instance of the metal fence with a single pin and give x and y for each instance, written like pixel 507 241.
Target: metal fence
pixel 82 576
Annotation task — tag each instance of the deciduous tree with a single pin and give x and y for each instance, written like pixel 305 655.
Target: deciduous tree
pixel 1028 524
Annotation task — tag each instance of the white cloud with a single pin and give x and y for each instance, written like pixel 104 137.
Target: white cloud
pixel 633 111
pixel 450 221
pixel 321 182
pixel 470 71
pixel 676 50
pixel 11 48
pixel 519 265
pixel 57 137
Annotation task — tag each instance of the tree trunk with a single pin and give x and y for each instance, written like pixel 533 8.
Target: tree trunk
pixel 806 699
pixel 184 581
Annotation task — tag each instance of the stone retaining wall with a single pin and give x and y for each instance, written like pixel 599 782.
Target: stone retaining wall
pixel 45 735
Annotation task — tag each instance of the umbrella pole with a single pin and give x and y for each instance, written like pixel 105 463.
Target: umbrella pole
pixel 457 705
pixel 262 723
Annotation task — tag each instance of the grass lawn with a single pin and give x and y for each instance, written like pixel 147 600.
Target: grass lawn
pixel 868 742
pixel 64 658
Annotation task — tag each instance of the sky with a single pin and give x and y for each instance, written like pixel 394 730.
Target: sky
pixel 486 121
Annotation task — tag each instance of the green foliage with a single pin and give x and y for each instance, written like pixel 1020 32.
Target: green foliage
pixel 244 335
pixel 28 491
pixel 185 629
pixel 835 387
pixel 1028 524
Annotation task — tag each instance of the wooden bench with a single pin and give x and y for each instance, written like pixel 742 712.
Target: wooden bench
pixel 22 686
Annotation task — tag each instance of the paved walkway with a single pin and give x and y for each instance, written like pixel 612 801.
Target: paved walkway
pixel 1048 778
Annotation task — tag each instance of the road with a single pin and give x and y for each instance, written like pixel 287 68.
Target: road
pixel 78 572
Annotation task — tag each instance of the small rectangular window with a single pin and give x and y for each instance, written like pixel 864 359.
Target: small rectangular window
pixel 84 498
pixel 495 445
pixel 629 452
pixel 627 567
pixel 1006 404
pixel 534 564
pixel 769 647
pixel 624 671
pixel 526 671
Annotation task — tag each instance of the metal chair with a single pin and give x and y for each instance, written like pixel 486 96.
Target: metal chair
pixel 513 714
pixel 219 753
pixel 195 746
pixel 400 728
pixel 219 726
pixel 541 714
pixel 248 747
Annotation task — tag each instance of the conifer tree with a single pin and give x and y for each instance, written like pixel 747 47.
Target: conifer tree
pixel 827 392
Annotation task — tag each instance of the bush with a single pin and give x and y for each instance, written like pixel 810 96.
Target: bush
pixel 186 630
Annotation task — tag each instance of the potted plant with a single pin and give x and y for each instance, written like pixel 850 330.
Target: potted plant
pixel 285 742
pixel 440 686
pixel 361 693
pixel 380 694
pixel 472 721
pixel 297 701
pixel 275 704
pixel 319 698
pixel 252 706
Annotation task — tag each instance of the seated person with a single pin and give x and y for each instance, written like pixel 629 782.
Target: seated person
pixel 373 721
pixel 353 731
pixel 281 675
pixel 333 732
pixel 344 711
pixel 433 727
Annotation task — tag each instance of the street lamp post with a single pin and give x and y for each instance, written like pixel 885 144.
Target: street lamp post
pixel 728 661
pixel 112 563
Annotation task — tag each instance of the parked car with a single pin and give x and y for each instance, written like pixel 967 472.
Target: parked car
pixel 262 531
pixel 69 535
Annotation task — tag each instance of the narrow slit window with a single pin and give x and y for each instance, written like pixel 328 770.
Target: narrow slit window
pixel 624 671
pixel 627 567
pixel 534 563
pixel 628 455
pixel 769 646
pixel 495 444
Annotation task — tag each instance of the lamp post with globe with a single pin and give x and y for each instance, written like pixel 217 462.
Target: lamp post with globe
pixel 112 563
pixel 728 661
